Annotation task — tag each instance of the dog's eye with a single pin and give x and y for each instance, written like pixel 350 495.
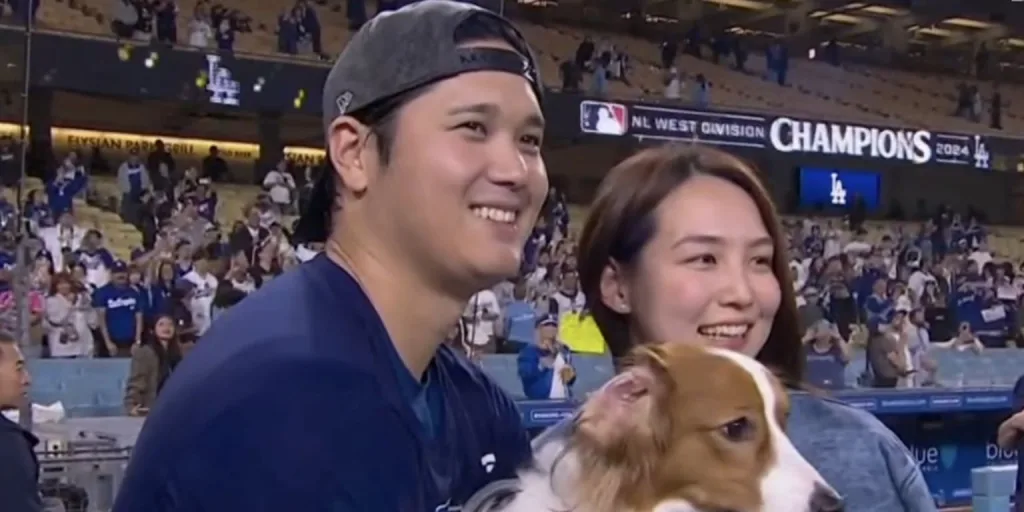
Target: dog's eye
pixel 738 430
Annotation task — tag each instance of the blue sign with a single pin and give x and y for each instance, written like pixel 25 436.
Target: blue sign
pixel 785 134
pixel 837 188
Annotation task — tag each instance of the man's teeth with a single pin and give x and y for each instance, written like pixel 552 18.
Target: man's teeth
pixel 495 214
pixel 724 331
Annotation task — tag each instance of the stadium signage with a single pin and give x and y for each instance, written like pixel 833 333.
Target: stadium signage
pixel 223 89
pixel 783 134
pixel 790 135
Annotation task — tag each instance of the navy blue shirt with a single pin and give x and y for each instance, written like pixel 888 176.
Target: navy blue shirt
pixel 121 305
pixel 6 263
pixel 305 405
pixel 1018 406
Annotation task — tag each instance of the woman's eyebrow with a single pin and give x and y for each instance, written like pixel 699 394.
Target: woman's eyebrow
pixel 718 240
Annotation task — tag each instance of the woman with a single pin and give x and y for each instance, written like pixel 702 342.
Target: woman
pixel 684 245
pixel 67 319
pixel 152 364
pixel 160 288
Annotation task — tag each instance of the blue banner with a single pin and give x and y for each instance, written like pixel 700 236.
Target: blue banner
pixel 837 188
pixel 784 134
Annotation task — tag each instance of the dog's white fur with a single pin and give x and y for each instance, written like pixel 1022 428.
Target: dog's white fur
pixel 788 484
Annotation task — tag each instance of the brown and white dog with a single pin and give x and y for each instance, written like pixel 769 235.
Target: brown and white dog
pixel 680 429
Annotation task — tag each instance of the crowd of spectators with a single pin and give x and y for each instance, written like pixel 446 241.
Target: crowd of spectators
pixel 84 301
pixel 898 296
pixel 157 20
pixel 909 294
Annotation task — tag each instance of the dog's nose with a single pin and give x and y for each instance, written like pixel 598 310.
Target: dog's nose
pixel 825 499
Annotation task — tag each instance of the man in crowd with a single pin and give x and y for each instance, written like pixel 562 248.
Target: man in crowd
pixel 19 469
pixel 119 307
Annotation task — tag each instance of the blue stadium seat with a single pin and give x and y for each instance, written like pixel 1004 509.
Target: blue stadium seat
pixel 503 369
pixel 86 387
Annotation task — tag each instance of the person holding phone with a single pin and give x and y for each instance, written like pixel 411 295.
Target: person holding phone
pixel 827 355
pixel 151 366
pixel 545 367
pixel 482 312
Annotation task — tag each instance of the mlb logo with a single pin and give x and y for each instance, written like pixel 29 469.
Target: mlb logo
pixel 603 118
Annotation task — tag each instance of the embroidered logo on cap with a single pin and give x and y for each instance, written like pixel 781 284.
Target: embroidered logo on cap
pixel 343 102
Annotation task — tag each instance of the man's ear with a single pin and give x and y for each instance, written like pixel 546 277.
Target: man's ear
pixel 347 139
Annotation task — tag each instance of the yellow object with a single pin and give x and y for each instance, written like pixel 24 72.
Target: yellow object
pixel 580 333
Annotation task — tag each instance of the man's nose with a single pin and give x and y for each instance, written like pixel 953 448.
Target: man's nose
pixel 824 499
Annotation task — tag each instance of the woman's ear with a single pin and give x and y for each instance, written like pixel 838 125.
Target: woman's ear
pixel 615 289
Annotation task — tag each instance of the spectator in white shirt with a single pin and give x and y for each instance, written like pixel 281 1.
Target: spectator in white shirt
pixel 199 30
pixel 205 288
pixel 481 314
pixel 65 235
pixel 280 184
pixel 981 254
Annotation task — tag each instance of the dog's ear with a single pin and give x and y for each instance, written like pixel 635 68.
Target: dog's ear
pixel 621 408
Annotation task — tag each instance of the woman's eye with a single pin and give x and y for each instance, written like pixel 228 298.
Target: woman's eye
pixel 703 260
pixel 763 261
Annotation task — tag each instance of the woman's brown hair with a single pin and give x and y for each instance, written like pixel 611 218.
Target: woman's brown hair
pixel 622 221
pixel 64 277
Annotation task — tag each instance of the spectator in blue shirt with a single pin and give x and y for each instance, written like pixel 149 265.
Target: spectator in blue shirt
pixel 119 306
pixel 519 320
pixel 827 355
pixel 68 183
pixel 545 366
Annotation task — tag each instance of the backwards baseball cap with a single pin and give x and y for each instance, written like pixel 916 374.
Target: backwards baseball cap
pixel 548 319
pixel 398 52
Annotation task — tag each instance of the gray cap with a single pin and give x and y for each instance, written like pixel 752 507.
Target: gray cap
pixel 397 52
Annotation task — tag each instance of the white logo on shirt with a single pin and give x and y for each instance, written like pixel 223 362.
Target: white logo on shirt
pixel 488 461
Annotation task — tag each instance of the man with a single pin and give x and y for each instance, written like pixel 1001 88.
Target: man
pixel 19 472
pixel 205 287
pixel 119 306
pixel 1011 437
pixel 545 366
pixel 328 388
pixel 249 237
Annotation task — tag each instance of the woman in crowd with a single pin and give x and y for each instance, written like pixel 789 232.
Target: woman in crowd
pixel 685 245
pixel 152 363
pixel 161 285
pixel 137 280
pixel 66 319
pixel 179 308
